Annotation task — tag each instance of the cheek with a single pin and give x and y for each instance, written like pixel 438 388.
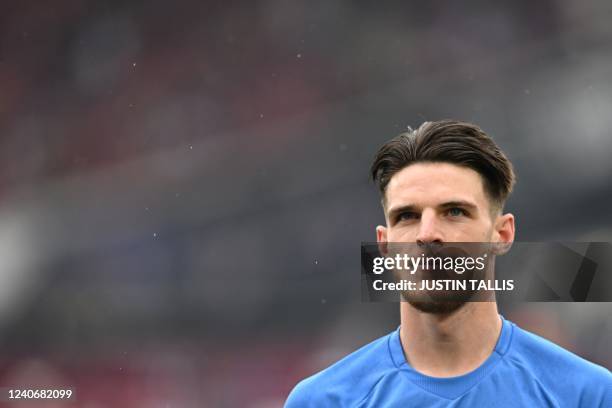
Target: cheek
pixel 487 231
pixel 401 234
pixel 472 232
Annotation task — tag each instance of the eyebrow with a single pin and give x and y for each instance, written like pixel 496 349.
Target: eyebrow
pixel 458 203
pixel 394 212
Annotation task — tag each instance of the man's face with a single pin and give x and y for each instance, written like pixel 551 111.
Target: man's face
pixel 440 203
pixel 437 202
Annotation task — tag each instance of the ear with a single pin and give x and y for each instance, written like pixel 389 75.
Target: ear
pixel 503 235
pixel 381 238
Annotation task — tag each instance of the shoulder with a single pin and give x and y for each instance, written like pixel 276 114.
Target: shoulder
pixel 559 369
pixel 347 381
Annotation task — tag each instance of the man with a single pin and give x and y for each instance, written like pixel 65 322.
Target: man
pixel 447 181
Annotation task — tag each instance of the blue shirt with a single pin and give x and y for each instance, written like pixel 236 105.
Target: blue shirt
pixel 524 370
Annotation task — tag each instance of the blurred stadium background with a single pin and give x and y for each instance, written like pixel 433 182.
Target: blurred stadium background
pixel 184 187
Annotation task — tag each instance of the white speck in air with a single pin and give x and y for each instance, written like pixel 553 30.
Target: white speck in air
pixel 190 147
pixel 299 55
pixel 134 64
pixel 323 301
pixel 316 262
pixel 146 208
pixel 261 115
pixel 155 235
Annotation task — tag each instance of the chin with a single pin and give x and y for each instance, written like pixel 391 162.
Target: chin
pixel 437 307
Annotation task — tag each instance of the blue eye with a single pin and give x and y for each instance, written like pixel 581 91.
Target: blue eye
pixel 456 212
pixel 407 216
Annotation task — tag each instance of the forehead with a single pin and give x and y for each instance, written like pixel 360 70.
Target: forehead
pixel 428 184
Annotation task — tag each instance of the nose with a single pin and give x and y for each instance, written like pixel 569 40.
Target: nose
pixel 429 229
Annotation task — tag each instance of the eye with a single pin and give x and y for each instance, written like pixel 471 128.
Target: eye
pixel 407 215
pixel 456 212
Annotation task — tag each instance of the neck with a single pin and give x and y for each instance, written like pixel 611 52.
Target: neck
pixel 449 345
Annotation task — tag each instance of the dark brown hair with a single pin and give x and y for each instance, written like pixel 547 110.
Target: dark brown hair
pixel 449 141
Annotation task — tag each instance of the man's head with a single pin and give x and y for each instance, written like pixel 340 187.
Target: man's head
pixel 447 181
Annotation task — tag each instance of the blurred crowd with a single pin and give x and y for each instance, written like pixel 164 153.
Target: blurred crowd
pixel 184 187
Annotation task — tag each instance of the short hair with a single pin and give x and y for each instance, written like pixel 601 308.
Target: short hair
pixel 447 141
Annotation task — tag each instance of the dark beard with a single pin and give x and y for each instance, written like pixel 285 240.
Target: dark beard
pixel 436 307
pixel 446 302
